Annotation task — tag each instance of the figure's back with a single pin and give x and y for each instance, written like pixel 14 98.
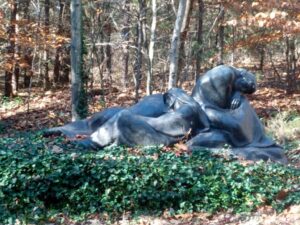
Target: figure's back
pixel 215 86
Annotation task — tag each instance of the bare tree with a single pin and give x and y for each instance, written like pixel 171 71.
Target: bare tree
pixel 151 48
pixel 221 36
pixel 108 53
pixel 78 95
pixel 233 45
pixel 199 38
pixel 8 90
pixel 17 52
pixel 27 52
pixel 46 52
pixel 184 58
pixel 125 37
pixel 291 64
pixel 175 43
pixel 57 62
pixel 139 46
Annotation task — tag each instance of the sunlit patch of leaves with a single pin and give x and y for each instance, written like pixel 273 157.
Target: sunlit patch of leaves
pixel 285 128
pixel 7 103
pixel 41 178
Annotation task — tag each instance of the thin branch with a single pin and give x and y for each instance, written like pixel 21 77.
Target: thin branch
pixel 173 7
pixel 215 22
pixel 114 22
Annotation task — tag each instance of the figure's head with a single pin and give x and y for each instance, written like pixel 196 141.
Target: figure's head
pixel 245 82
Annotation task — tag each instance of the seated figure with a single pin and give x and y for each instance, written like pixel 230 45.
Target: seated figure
pixel 217 113
pixel 232 120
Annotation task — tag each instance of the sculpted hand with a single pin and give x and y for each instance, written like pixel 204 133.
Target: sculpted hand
pixel 235 101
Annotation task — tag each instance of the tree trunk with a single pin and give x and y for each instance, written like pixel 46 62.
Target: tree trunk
pixel 16 69
pixel 199 38
pixel 28 52
pixel 290 64
pixel 274 68
pixel 46 53
pixel 66 54
pixel 125 37
pixel 175 43
pixel 100 56
pixel 220 42
pixel 16 75
pixel 185 73
pixel 57 62
pixel 27 75
pixel 233 46
pixel 151 48
pixel 108 54
pixel 8 89
pixel 183 36
pixel 139 46
pixel 262 58
pixel 78 94
pixel 293 62
pixel 56 70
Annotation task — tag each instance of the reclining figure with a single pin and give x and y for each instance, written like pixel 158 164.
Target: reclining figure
pixel 160 119
pixel 217 113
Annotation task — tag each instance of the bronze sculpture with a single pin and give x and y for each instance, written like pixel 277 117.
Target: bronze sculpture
pixel 217 113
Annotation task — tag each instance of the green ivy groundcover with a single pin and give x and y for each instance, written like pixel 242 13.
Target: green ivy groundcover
pixel 42 177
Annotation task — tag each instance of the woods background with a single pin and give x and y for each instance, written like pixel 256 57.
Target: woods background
pixel 145 46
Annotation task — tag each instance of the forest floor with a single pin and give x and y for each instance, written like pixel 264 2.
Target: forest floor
pixel 263 216
pixel 38 109
pixel 48 109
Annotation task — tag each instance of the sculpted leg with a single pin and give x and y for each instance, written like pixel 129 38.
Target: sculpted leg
pixel 84 127
pixel 134 130
pixel 70 130
pixel 211 139
pixel 128 129
pixel 152 106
